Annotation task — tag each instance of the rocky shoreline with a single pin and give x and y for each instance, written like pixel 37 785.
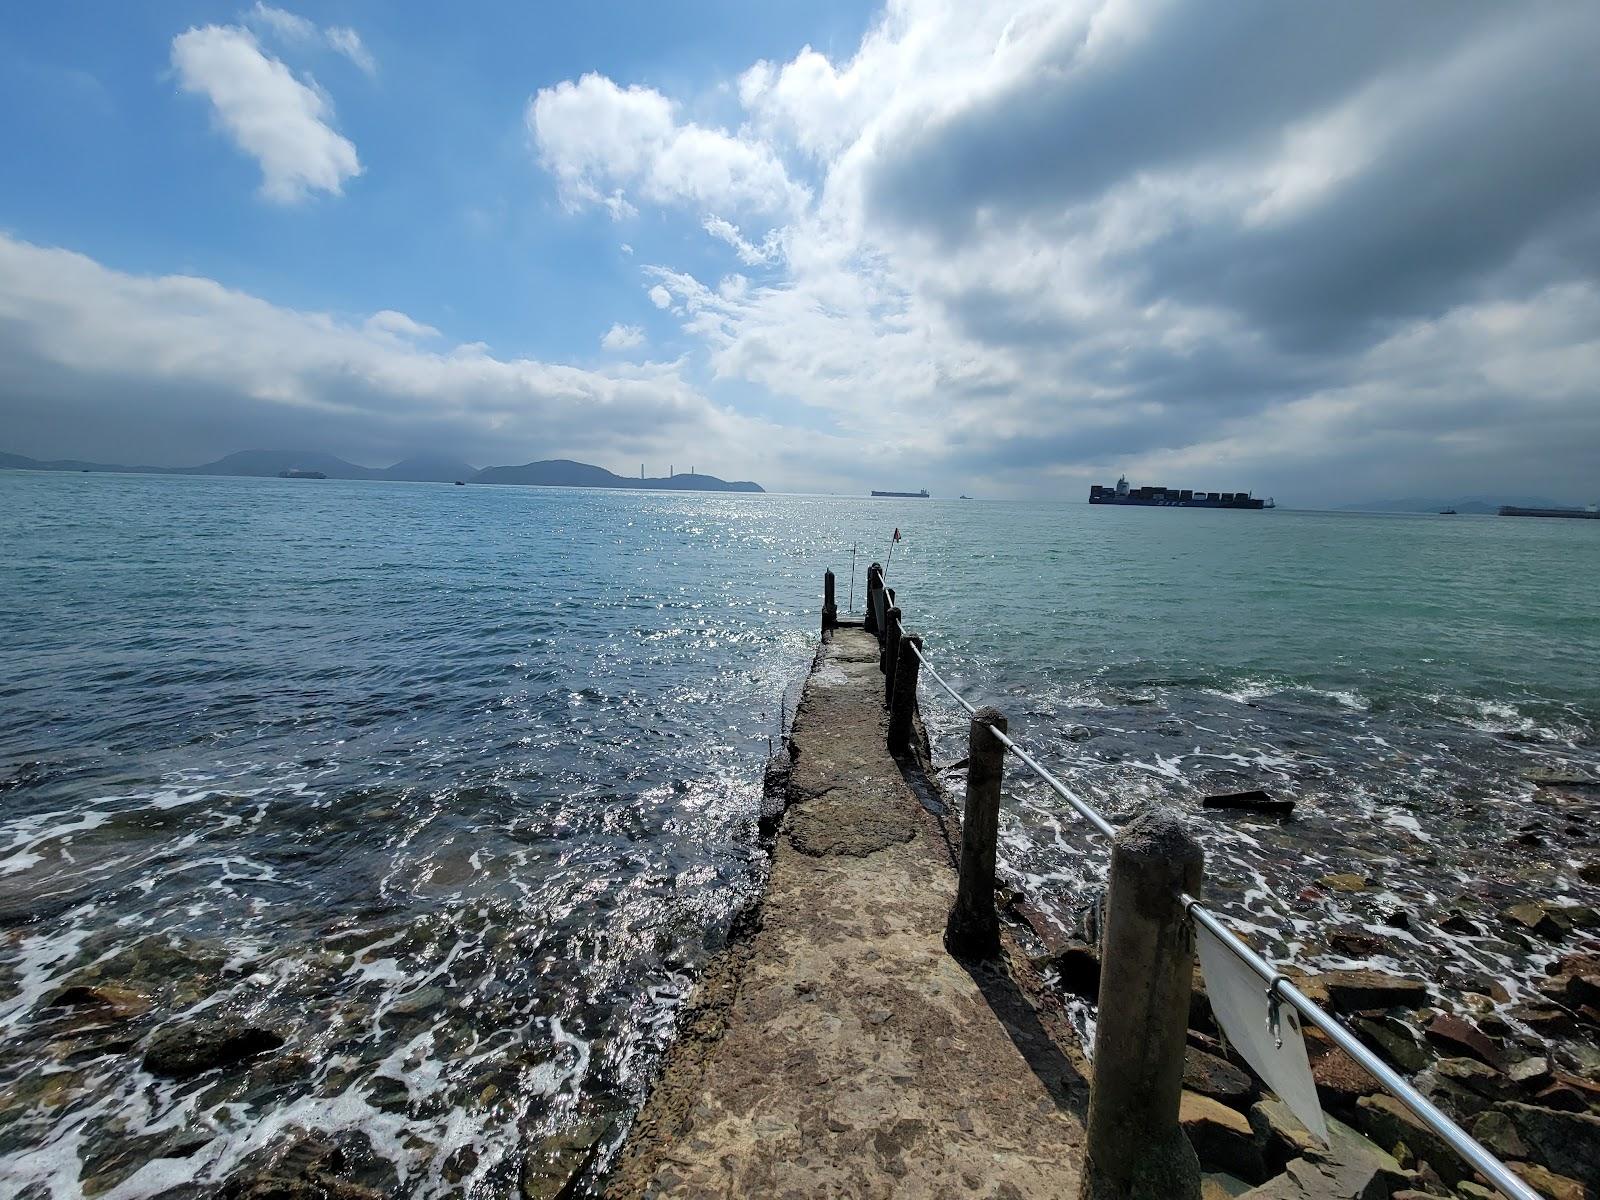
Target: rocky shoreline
pixel 1519 1074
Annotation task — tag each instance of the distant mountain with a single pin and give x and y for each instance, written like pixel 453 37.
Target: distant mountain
pixel 421 468
pixel 429 468
pixel 563 472
pixel 1465 504
pixel 274 462
pixel 20 462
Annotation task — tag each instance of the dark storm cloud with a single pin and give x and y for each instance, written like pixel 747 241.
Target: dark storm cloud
pixel 1206 80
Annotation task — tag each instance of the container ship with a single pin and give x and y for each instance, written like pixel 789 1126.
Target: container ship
pixel 1160 497
pixel 922 495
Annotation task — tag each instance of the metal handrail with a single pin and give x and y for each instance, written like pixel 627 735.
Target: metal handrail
pixel 1424 1109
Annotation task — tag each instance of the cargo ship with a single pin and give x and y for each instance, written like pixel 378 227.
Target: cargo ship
pixel 922 495
pixel 1160 497
pixel 297 473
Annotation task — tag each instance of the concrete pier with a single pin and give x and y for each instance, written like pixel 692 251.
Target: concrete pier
pixel 839 1049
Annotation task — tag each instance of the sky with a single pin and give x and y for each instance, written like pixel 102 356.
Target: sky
pixel 1330 253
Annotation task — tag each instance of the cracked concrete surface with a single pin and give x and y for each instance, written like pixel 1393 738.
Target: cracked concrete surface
pixel 838 1049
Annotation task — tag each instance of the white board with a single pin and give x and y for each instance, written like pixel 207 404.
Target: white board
pixel 1239 1001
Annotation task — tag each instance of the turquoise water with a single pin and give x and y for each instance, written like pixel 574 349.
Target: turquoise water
pixel 458 787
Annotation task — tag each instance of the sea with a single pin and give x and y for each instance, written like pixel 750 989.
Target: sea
pixel 457 788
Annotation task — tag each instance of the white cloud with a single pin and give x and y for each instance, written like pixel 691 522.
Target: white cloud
pixel 622 337
pixel 749 254
pixel 610 146
pixel 294 29
pixel 398 324
pixel 283 123
pixel 156 359
pixel 1047 246
pixel 286 25
pixel 348 43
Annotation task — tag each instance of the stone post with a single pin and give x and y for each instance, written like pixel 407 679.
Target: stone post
pixel 874 585
pixel 903 699
pixel 973 930
pixel 1136 1149
pixel 830 611
pixel 891 647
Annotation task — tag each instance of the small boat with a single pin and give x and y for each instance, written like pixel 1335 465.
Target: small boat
pixel 1447 512
pixel 460 484
pixel 964 496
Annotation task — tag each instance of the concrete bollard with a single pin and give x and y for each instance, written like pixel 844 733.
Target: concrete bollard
pixel 830 611
pixel 891 647
pixel 973 930
pixel 874 586
pixel 1136 1148
pixel 903 700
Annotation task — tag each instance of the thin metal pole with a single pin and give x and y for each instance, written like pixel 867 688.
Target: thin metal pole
pixel 1487 1164
pixel 1484 1162
pixel 852 578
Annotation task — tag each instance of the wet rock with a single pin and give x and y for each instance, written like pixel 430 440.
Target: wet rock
pixel 556 1166
pixel 1530 1073
pixel 1458 1037
pixel 420 1001
pixel 1209 1075
pixel 1590 872
pixel 1351 1169
pixel 1344 881
pixel 1354 991
pixel 1474 1076
pixel 1219 1185
pixel 1566 1143
pixel 1254 800
pixel 1078 967
pixel 1538 919
pixel 1548 1183
pixel 1340 1080
pixel 1394 1040
pixel 774 792
pixel 1389 1123
pixel 1459 922
pixel 1551 1020
pixel 1558 777
pixel 1221 1137
pixel 1355 943
pixel 1574 991
pixel 1280 1133
pixel 1495 1130
pixel 1397 919
pixel 1562 1096
pixel 192 1047
pixel 107 1000
pixel 308 1166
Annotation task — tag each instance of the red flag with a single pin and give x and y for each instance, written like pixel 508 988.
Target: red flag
pixel 897 535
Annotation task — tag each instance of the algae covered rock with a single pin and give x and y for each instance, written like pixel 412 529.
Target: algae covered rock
pixel 192 1047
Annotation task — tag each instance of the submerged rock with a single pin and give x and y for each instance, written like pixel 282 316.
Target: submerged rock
pixel 555 1167
pixel 1345 882
pixel 192 1047
pixel 104 999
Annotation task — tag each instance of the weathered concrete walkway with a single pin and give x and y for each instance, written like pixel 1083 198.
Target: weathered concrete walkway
pixel 840 1050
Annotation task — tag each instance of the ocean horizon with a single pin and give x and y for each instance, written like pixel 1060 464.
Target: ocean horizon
pixel 459 788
